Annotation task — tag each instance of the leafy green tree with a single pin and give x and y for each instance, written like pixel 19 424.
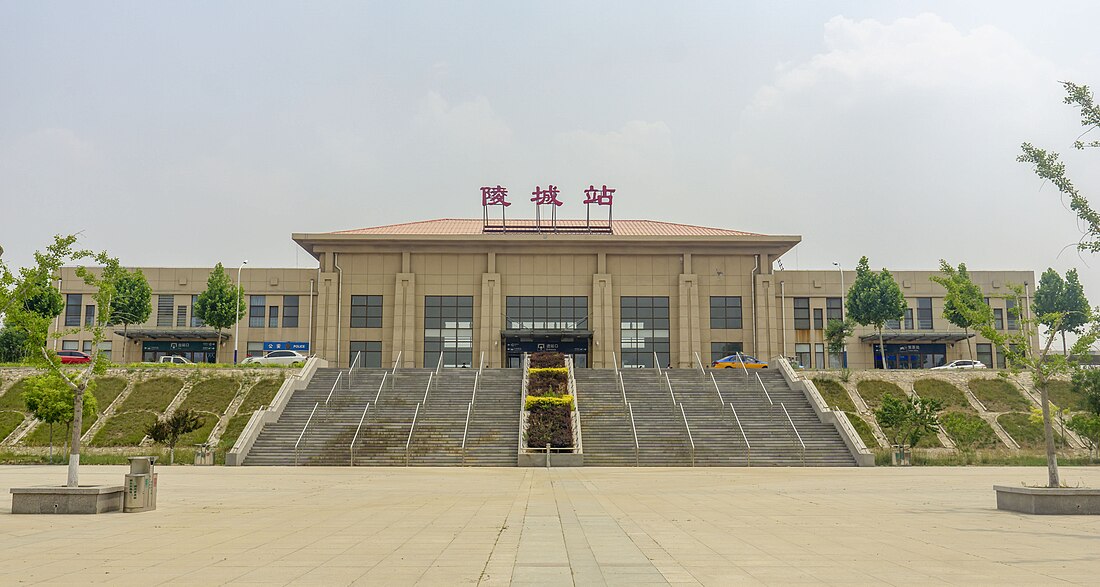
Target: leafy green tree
pixel 1049 294
pixel 1087 427
pixel 965 432
pixel 1022 355
pixel 13 345
pixel 50 400
pixel 906 420
pixel 167 431
pixel 1047 165
pixel 964 304
pixel 1087 383
pixel 836 332
pixel 132 302
pixel 222 304
pixel 874 299
pixel 1056 298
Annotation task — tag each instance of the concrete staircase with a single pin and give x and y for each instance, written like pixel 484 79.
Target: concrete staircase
pixel 493 438
pixel 605 422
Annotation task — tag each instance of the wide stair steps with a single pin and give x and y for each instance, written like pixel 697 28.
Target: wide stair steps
pixel 493 437
pixel 606 433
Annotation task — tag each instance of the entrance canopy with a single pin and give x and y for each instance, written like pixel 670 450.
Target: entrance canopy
pixel 916 337
pixel 153 334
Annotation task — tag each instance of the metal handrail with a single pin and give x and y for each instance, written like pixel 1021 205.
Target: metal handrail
pixel 635 430
pixel 354 362
pixel 380 385
pixel 300 436
pixel 333 390
pixel 615 361
pixel 797 435
pixel 397 362
pixel 748 447
pixel 575 415
pixel 411 428
pixel 428 388
pixel 688 429
pixel 525 364
pixel 670 393
pixel 480 362
pixel 699 362
pixel 657 363
pixel 622 388
pixel 354 439
pixel 742 361
pixel 469 410
pixel 720 399
pixel 439 363
pixel 766 394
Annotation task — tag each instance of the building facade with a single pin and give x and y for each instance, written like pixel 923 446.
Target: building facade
pixel 450 290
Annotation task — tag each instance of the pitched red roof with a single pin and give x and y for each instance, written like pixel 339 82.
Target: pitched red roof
pixel 472 226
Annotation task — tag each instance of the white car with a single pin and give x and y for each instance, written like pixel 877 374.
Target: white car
pixel 277 358
pixel 961 364
pixel 175 359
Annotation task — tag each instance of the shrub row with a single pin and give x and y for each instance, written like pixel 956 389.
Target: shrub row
pixel 548 381
pixel 547 359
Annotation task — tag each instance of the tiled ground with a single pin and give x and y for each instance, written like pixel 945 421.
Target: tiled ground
pixel 562 526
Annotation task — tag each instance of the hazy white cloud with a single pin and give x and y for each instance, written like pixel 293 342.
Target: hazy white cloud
pixel 473 121
pixel 636 142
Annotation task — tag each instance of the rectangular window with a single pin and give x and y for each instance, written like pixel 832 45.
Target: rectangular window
pixel 802 354
pixel 366 311
pixel 1000 358
pixel 834 309
pixel 546 312
pixel 196 322
pixel 273 317
pixel 893 325
pixel 802 313
pixel 166 305
pixel 725 311
pixel 819 355
pixel 89 316
pixel 86 346
pixel 254 349
pixel 819 319
pixel 909 318
pixel 70 345
pixel 105 352
pixel 290 311
pixel 257 309
pixel 985 353
pixel 644 330
pixel 73 302
pixel 721 350
pixel 1013 314
pixel 998 318
pixel 448 330
pixel 924 313
pixel 370 353
pixel 181 316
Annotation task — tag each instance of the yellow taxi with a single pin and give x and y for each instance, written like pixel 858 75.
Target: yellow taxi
pixel 736 361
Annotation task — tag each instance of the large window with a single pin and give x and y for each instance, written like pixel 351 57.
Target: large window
pixel 721 350
pixel 196 322
pixel 644 328
pixel 985 353
pixel 166 307
pixel 89 316
pixel 105 351
pixel 802 354
pixel 546 312
pixel 257 309
pixel 273 317
pixel 70 345
pixel 366 311
pixel 819 355
pixel 1013 314
pixel 181 316
pixel 834 309
pixel 819 321
pixel 448 330
pixel 909 318
pixel 290 311
pixel 802 313
pixel 998 318
pixel 72 309
pixel 369 351
pixel 725 312
pixel 924 313
pixel 254 349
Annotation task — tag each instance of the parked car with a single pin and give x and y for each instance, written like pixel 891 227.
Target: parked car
pixel 277 358
pixel 72 357
pixel 175 359
pixel 736 361
pixel 961 364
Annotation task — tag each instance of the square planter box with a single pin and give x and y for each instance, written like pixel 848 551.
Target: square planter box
pixel 1048 500
pixel 86 499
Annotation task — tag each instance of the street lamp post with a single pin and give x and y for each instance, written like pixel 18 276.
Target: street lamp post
pixel 843 295
pixel 237 332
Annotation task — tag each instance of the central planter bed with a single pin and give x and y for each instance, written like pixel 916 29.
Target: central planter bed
pixel 549 408
pixel 1048 500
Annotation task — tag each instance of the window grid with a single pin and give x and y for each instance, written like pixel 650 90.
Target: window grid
pixel 725 312
pixel 89 316
pixel 196 322
pixel 547 312
pixel 448 330
pixel 369 351
pixel 290 311
pixel 924 313
pixel 834 309
pixel 257 309
pixel 802 313
pixel 721 350
pixel 644 330
pixel 166 306
pixel 366 311
pixel 73 303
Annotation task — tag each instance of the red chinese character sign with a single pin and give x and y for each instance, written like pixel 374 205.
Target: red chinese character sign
pixel 498 196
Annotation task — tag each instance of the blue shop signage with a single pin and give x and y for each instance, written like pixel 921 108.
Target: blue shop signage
pixel 286 346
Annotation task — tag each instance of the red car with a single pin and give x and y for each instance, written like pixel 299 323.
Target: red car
pixel 70 357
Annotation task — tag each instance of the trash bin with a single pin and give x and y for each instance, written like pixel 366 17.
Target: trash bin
pixel 141 486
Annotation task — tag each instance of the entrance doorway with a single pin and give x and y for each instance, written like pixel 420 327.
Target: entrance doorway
pixel 573 346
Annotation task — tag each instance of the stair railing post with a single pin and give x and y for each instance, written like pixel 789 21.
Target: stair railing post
pixel 657 364
pixel 547 455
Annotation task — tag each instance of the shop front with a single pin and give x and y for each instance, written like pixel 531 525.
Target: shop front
pixel 196 351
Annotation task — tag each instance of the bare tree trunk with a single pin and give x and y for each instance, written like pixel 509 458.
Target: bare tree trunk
pixel 172 455
pixel 969 347
pixel 1064 351
pixel 125 343
pixel 1048 434
pixel 74 449
pixel 882 351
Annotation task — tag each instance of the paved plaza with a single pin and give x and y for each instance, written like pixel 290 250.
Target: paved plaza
pixel 585 526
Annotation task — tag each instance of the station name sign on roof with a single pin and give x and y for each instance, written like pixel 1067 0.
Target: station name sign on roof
pixel 541 197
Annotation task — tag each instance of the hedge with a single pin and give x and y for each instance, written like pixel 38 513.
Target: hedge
pixel 549 422
pixel 544 359
pixel 542 401
pixel 548 381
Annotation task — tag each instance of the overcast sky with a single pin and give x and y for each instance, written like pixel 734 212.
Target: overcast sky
pixel 183 134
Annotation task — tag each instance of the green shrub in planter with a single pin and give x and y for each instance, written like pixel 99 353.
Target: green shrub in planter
pixel 548 421
pixel 540 360
pixel 548 381
pixel 545 401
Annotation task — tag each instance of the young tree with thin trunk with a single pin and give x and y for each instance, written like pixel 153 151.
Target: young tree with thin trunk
pixel 874 299
pixel 222 304
pixel 964 304
pixel 50 400
pixel 132 302
pixel 167 431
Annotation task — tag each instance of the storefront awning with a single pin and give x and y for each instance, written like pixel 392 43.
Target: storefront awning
pixel 916 337
pixel 153 334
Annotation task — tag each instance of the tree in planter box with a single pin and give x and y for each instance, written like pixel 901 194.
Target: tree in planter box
pixel 549 422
